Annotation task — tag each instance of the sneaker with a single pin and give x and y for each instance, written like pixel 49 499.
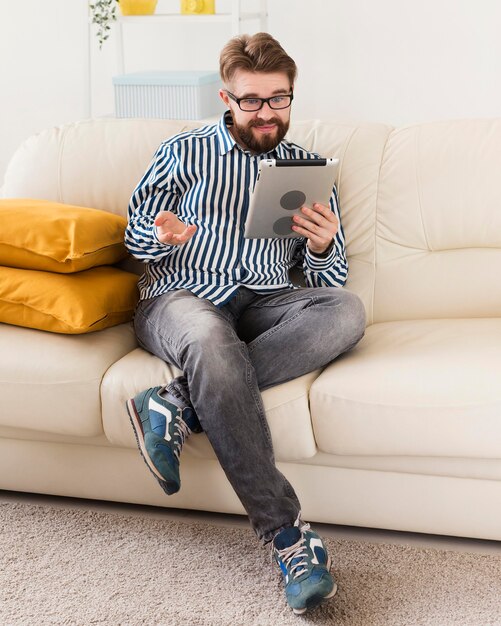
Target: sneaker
pixel 305 564
pixel 161 428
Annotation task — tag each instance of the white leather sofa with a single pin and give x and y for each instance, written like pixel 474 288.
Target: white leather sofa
pixel 404 432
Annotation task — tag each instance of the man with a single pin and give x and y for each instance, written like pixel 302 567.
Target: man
pixel 222 308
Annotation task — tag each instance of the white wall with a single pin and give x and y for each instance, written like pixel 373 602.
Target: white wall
pixel 42 56
pixel 393 61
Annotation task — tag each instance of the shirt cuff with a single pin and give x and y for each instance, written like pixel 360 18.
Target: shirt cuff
pixel 320 262
pixel 155 234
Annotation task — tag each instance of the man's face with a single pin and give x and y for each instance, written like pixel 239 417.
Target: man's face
pixel 258 131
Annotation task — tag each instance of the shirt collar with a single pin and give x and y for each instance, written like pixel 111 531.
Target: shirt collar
pixel 225 138
pixel 227 142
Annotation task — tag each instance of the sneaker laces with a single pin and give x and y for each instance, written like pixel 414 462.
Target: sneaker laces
pixel 296 552
pixel 182 432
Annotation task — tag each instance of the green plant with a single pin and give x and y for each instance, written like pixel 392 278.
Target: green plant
pixel 103 13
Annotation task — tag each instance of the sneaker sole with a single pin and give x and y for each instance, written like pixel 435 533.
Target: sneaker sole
pixel 135 420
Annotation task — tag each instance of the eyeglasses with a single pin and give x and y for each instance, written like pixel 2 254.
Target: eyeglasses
pixel 256 104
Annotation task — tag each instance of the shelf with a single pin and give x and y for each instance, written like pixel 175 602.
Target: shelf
pixel 177 18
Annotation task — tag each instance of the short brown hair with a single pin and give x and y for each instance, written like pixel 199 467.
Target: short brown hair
pixel 255 53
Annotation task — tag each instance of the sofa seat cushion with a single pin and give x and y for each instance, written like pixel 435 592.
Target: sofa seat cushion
pixel 419 388
pixel 286 407
pixel 50 383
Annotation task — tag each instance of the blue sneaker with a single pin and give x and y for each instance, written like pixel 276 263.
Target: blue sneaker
pixel 161 428
pixel 305 564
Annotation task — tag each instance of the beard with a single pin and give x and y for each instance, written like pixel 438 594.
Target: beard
pixel 265 143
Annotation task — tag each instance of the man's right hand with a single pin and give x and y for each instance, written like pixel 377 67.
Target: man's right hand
pixel 171 230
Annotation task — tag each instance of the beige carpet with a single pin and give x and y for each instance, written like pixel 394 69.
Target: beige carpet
pixel 72 566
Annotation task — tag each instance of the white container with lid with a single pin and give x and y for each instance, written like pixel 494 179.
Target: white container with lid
pixel 168 95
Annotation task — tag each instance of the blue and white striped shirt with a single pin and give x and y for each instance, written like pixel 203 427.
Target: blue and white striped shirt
pixel 205 178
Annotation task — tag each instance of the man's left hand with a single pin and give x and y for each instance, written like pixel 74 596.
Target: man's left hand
pixel 319 225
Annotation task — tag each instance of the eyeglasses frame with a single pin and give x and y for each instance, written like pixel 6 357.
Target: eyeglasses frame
pixel 263 101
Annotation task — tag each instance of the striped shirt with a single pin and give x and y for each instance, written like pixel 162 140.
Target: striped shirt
pixel 205 178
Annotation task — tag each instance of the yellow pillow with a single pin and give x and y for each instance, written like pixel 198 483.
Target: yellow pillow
pixel 43 235
pixel 77 303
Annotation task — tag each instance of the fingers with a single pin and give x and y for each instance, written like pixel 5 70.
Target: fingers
pixel 320 214
pixel 319 221
pixel 162 217
pixel 316 243
pixel 177 239
pixel 319 225
pixel 171 230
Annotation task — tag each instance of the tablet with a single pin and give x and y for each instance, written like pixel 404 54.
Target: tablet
pixel 282 187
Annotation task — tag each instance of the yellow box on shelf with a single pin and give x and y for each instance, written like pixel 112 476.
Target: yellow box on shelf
pixel 198 7
pixel 137 7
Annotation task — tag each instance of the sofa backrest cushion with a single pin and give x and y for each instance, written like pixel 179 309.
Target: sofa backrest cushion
pixel 438 232
pixel 360 148
pixel 93 163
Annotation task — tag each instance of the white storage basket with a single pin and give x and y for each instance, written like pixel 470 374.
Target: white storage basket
pixel 168 95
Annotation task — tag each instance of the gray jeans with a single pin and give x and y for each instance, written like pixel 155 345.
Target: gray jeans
pixel 229 354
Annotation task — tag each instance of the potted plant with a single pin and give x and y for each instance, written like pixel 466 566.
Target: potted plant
pixel 104 12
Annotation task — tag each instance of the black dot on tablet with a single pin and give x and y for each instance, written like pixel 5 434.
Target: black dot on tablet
pixel 292 200
pixel 283 226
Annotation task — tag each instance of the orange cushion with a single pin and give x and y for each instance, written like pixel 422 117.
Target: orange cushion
pixel 55 237
pixel 67 303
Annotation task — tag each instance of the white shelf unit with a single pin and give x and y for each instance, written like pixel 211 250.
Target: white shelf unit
pixel 235 19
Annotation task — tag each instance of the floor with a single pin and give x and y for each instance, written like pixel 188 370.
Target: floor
pixel 371 535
